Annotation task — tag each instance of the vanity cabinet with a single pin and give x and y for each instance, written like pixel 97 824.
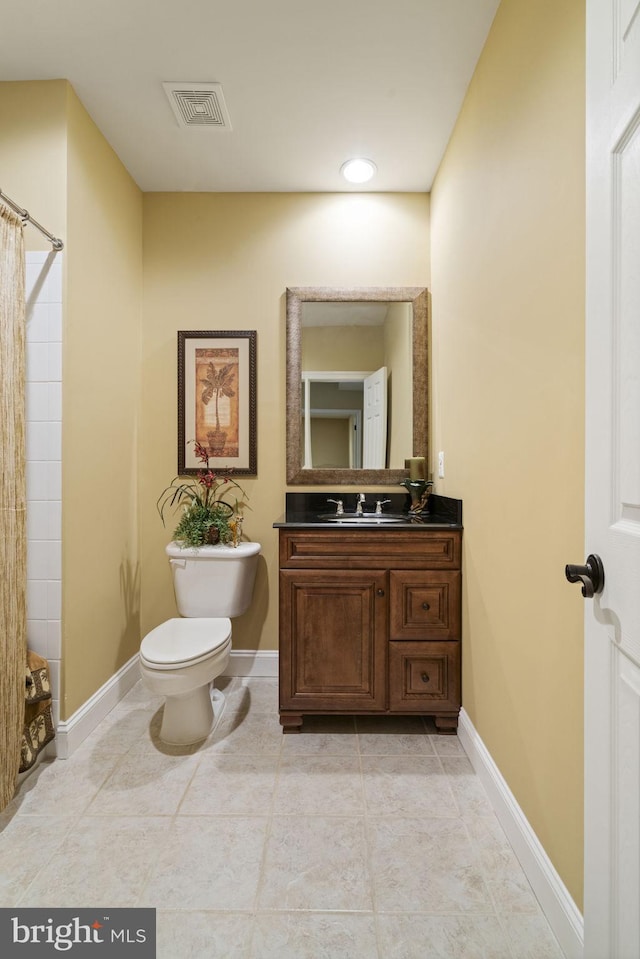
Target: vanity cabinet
pixel 370 623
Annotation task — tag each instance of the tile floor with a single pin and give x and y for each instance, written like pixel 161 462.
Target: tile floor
pixel 357 839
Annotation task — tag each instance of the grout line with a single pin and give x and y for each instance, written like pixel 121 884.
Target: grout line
pixel 263 862
pixel 368 847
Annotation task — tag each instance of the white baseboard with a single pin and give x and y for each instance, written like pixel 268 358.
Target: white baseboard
pixel 252 662
pixel 70 733
pixel 561 912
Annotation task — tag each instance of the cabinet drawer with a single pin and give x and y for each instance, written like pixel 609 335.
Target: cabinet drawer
pixel 424 677
pixel 368 549
pixel 425 604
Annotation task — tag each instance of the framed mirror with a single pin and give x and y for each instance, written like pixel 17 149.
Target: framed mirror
pixel 357 384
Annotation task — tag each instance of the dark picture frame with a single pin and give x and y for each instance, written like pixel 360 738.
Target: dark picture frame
pixel 217 401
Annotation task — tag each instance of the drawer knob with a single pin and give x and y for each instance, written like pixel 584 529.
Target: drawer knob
pixel 425 677
pixel 380 592
pixel 426 606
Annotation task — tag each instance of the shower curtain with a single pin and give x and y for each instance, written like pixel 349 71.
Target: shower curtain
pixel 13 539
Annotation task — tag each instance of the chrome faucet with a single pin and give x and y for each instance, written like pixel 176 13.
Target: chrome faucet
pixel 359 504
pixel 379 504
pixel 339 506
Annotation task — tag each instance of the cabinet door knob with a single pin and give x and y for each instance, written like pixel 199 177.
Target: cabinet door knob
pixel 380 592
pixel 426 606
pixel 425 677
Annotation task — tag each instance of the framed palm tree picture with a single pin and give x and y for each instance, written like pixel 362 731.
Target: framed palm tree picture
pixel 217 400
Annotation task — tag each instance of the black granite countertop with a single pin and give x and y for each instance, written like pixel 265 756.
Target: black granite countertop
pixel 312 510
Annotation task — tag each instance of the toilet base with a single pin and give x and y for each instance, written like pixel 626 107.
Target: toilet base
pixel 190 718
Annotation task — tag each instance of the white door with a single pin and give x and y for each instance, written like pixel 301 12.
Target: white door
pixel 612 618
pixel 374 436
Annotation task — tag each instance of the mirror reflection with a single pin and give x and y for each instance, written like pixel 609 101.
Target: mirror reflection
pixel 356 383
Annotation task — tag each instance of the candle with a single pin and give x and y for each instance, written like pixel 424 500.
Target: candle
pixel 416 467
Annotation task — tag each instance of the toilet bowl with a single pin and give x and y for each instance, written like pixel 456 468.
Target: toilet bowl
pixel 178 660
pixel 181 658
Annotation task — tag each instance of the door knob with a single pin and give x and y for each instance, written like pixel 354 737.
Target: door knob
pixel 591 575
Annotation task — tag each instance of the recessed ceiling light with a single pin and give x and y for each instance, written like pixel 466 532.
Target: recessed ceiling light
pixel 358 170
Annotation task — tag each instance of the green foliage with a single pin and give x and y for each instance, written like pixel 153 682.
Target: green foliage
pixel 204 505
pixel 197 521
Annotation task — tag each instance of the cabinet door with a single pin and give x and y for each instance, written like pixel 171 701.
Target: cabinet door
pixel 425 604
pixel 424 677
pixel 332 639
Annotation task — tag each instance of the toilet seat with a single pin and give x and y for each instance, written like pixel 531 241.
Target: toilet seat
pixel 184 642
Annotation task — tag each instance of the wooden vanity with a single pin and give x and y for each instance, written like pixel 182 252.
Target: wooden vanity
pixel 370 622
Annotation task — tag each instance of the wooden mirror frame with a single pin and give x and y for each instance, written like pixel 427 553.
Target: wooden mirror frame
pixel 296 297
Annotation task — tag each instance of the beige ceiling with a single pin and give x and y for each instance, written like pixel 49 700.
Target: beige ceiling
pixel 307 83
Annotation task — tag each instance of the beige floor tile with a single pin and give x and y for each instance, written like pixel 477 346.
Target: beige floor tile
pixel 63 787
pixel 123 728
pixel 317 863
pixel 490 838
pixel 208 863
pixel 144 783
pixel 229 785
pixel 248 733
pixel 101 862
pixel 262 844
pixel 26 845
pixel 531 938
pixel 505 878
pixel 512 895
pixel 319 785
pixel 304 935
pixel 447 746
pixel 468 790
pixel 393 736
pixel 426 866
pixel 323 736
pixel 404 786
pixel 139 696
pixel 259 695
pixel 442 937
pixel 194 934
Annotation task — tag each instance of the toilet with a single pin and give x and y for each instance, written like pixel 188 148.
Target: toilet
pixel 181 658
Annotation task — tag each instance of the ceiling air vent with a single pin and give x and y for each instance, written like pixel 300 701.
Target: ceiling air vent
pixel 198 105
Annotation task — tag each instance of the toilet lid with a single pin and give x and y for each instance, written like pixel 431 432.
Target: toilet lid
pixel 184 640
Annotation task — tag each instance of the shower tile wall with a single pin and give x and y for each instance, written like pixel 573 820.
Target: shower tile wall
pixel 44 460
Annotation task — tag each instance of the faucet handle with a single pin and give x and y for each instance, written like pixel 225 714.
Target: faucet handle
pixel 339 506
pixel 379 504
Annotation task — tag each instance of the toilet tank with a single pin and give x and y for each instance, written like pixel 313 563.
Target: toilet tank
pixel 213 581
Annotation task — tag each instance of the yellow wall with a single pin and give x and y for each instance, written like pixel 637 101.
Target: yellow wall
pixel 56 164
pixel 33 148
pixel 223 262
pixel 342 348
pixel 398 351
pixel 508 282
pixel 101 392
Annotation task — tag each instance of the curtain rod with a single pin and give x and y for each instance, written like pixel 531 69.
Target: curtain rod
pixel 27 218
